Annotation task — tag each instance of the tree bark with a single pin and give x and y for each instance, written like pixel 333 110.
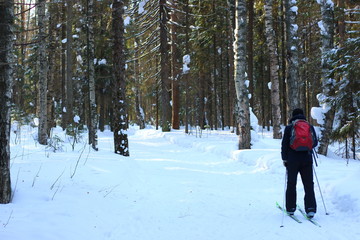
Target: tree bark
pixel 43 72
pixel 120 110
pixel 69 64
pixel 93 116
pixel 6 79
pixel 175 70
pixel 274 68
pixel 164 69
pixel 292 58
pixel 240 75
pixel 250 52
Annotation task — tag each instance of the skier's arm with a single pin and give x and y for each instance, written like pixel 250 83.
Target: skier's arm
pixel 315 143
pixel 285 144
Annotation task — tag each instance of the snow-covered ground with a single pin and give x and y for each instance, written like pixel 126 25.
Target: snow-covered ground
pixel 173 187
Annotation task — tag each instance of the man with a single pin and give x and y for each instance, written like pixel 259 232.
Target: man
pixel 298 162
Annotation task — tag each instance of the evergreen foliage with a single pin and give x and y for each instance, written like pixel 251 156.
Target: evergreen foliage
pixel 204 33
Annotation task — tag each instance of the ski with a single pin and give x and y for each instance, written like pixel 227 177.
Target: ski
pixel 291 216
pixel 309 219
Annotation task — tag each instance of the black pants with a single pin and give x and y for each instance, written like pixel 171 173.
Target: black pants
pixel 306 173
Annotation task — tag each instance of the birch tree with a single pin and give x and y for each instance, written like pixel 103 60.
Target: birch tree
pixel 292 58
pixel 119 87
pixel 93 117
pixel 240 75
pixel 6 79
pixel 43 71
pixel 327 34
pixel 274 68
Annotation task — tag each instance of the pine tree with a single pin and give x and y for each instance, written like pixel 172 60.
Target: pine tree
pixel 119 86
pixel 164 68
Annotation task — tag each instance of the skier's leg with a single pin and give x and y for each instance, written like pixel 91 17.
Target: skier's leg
pixel 292 169
pixel 306 173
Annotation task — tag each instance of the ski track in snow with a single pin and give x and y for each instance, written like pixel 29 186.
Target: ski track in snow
pixel 173 186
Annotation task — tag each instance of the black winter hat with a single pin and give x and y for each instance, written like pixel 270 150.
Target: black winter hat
pixel 297 111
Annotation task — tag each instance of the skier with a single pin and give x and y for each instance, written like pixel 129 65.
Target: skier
pixel 298 162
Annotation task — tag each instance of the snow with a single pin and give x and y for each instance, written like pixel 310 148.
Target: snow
pixel 127 20
pixel 330 3
pixel 295 27
pixel 186 62
pixel 173 186
pixel 317 113
pixel 322 28
pixel 36 121
pixel 294 9
pixel 141 7
pixel 79 59
pixel 102 62
pixel 76 119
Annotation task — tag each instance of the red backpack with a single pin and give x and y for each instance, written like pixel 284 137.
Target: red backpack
pixel 301 138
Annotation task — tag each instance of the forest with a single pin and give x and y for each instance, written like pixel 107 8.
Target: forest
pixel 197 64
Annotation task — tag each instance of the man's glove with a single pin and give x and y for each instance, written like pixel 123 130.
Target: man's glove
pixel 285 163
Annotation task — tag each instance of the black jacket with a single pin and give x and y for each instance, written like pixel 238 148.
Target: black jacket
pixel 288 153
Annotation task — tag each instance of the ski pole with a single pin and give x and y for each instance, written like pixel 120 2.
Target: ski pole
pixel 315 156
pixel 322 198
pixel 283 214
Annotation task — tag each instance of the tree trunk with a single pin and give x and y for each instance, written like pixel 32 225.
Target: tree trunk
pixel 327 34
pixel 164 69
pixel 175 70
pixel 240 75
pixel 274 68
pixel 69 65
pixel 250 52
pixel 120 110
pixel 53 71
pixel 140 114
pixel 6 79
pixel 63 67
pixel 292 58
pixel 43 71
pixel 185 75
pixel 93 116
pixel 283 84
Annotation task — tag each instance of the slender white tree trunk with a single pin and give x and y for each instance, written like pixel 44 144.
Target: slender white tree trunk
pixel 240 75
pixel 93 116
pixel 274 69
